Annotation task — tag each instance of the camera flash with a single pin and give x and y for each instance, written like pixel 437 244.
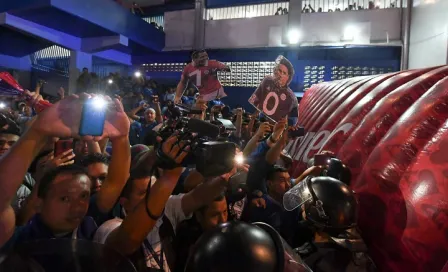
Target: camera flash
pixel 110 81
pixel 138 74
pixel 239 159
pixel 99 103
pixel 2 105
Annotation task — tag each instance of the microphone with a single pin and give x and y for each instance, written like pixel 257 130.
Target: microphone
pixel 203 128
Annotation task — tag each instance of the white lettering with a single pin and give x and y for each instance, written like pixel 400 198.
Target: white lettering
pixel 344 128
pixel 198 74
pixel 308 137
pixel 315 144
pixel 265 103
pixel 300 150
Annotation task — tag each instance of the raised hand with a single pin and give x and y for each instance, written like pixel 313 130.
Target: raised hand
pixel 63 119
pixel 65 158
pixel 263 128
pixel 279 127
pixel 117 122
pixel 176 151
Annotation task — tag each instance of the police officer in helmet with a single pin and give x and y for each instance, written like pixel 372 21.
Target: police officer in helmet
pixel 330 209
pixel 242 247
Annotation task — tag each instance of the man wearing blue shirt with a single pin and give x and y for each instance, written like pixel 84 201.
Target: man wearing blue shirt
pixel 143 125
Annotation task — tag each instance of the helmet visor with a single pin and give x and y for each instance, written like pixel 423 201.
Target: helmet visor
pixel 297 195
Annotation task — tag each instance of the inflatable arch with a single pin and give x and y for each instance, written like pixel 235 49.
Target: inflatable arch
pixel 392 132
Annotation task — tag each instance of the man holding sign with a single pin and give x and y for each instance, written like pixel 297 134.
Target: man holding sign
pixel 202 73
pixel 274 97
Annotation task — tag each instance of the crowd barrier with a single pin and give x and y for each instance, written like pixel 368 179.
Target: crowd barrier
pixel 391 130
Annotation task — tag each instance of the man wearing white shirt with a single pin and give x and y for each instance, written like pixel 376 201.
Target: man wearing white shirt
pixel 138 235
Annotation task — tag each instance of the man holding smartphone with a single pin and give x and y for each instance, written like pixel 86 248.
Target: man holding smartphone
pixel 63 194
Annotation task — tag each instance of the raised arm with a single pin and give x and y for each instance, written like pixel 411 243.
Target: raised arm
pixel 180 88
pixel 159 117
pixel 238 123
pixel 118 130
pixel 13 167
pixel 129 236
pixel 205 192
pixel 133 113
pixel 253 142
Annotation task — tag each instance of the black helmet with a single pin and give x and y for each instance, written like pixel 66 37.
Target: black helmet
pixel 338 170
pixel 329 204
pixel 238 246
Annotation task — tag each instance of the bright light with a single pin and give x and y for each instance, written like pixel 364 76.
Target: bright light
pixel 250 14
pixel 99 103
pixel 110 81
pixel 2 105
pixel 350 32
pixel 293 36
pixel 239 159
pixel 138 74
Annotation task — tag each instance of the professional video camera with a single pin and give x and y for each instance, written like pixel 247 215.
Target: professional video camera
pixel 210 155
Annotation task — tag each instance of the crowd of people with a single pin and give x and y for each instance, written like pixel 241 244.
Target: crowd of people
pixel 131 190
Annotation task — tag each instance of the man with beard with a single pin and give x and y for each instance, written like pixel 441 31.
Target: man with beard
pixel 274 97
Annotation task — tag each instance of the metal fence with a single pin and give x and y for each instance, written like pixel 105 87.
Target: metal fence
pixel 159 20
pixel 248 11
pixel 308 6
pixel 53 59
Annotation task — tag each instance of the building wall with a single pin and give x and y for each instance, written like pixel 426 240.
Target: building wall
pixel 371 26
pixel 179 29
pixel 429 34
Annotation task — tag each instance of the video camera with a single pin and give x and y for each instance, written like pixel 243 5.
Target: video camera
pixel 209 154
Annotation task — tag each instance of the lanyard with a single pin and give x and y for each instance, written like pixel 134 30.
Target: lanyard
pixel 75 234
pixel 146 243
pixel 159 260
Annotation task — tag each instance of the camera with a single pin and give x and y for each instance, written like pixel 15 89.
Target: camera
pixel 211 156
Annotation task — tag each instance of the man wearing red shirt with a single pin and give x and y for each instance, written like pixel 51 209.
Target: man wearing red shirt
pixel 202 72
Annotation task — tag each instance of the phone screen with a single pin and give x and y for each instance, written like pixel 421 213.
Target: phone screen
pixel 62 145
pixel 298 132
pixel 321 159
pixel 93 117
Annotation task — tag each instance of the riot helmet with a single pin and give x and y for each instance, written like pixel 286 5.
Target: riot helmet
pixel 328 203
pixel 242 247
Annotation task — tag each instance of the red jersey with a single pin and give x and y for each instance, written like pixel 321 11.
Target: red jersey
pixel 205 77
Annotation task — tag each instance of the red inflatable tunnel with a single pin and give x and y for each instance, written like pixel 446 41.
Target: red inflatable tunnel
pixel 392 131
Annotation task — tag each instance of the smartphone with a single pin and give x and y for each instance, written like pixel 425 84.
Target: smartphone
pixel 93 117
pixel 298 132
pixel 61 146
pixel 321 159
